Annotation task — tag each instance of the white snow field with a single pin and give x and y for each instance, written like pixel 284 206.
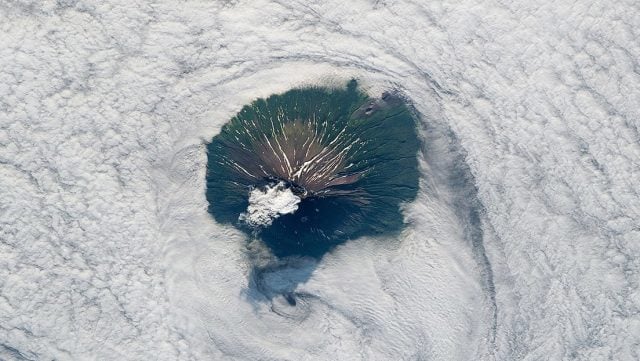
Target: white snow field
pixel 523 244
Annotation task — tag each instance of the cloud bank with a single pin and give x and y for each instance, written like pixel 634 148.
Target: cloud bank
pixel 522 244
pixel 267 204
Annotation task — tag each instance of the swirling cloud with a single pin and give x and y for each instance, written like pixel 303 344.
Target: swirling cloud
pixel 521 244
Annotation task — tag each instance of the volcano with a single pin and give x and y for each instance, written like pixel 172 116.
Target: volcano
pixel 313 167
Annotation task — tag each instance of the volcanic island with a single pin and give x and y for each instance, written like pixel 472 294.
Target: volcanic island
pixel 313 167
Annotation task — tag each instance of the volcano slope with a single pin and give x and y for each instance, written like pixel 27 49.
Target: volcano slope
pixel 313 167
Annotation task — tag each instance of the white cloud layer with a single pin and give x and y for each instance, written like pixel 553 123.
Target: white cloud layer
pixel 265 205
pixel 522 245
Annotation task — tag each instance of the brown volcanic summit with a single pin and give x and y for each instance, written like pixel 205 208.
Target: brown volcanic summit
pixel 300 154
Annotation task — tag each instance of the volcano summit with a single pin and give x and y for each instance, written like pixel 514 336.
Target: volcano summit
pixel 310 168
